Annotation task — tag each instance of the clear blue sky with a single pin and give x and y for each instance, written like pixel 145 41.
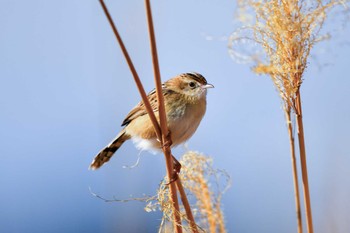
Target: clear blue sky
pixel 65 89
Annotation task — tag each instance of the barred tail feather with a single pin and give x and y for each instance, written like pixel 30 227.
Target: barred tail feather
pixel 105 154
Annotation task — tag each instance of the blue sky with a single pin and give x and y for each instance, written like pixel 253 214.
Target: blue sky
pixel 65 89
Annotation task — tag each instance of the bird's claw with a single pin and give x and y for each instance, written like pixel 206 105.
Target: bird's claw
pixel 176 171
pixel 173 178
pixel 168 142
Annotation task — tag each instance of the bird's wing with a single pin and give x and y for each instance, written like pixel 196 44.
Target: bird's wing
pixel 140 109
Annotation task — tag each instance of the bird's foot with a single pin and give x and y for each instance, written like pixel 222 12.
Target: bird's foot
pixel 176 170
pixel 167 141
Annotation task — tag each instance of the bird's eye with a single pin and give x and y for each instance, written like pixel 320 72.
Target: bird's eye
pixel 192 84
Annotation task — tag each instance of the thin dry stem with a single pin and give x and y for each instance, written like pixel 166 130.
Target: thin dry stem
pixel 303 164
pixel 294 169
pixel 166 139
pixel 133 71
pixel 186 204
pixel 286 31
pixel 161 136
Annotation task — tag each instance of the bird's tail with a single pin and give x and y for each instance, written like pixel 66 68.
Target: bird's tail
pixel 105 154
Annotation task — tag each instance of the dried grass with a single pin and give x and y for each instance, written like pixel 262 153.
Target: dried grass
pixel 284 32
pixel 280 35
pixel 203 184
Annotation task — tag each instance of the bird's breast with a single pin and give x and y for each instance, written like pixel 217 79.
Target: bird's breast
pixel 184 119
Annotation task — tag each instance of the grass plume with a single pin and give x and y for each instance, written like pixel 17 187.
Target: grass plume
pixel 286 31
pixel 197 176
pixel 283 33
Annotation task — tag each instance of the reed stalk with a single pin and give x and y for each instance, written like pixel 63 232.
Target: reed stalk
pixel 285 32
pixel 160 128
pixel 133 71
pixel 186 204
pixel 150 113
pixel 166 139
pixel 294 168
pixel 165 131
pixel 304 173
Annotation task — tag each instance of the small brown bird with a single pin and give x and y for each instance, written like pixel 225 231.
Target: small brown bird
pixel 185 105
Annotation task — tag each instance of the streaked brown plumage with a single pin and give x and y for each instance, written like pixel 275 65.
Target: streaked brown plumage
pixel 185 106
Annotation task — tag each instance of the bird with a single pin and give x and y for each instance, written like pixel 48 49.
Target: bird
pixel 185 105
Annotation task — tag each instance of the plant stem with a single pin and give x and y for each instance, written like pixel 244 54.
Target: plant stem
pixel 150 112
pixel 187 207
pixel 166 137
pixel 294 168
pixel 133 71
pixel 302 150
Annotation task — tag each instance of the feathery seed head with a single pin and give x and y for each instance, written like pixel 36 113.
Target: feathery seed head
pixel 284 31
pixel 204 183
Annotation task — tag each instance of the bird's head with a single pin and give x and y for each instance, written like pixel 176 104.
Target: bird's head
pixel 192 85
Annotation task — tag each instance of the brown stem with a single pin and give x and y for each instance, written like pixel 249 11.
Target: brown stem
pixel 187 207
pixel 162 130
pixel 294 169
pixel 143 96
pixel 166 138
pixel 133 71
pixel 157 78
pixel 303 164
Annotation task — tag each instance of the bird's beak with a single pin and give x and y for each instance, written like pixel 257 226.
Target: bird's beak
pixel 207 86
